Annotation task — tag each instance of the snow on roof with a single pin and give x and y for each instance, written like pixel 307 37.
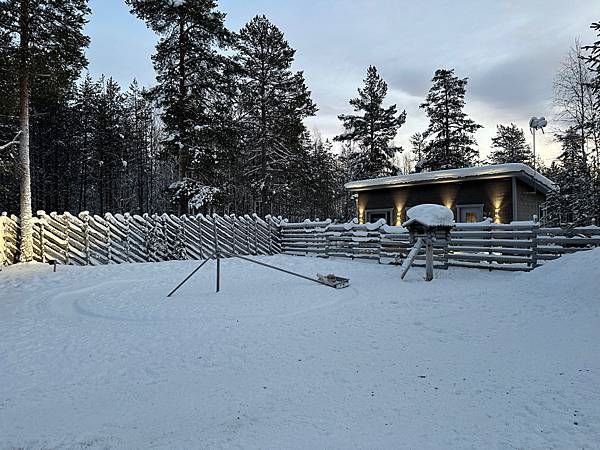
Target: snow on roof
pixel 438 176
pixel 430 216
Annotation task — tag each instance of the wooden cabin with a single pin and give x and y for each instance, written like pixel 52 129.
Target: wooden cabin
pixel 502 192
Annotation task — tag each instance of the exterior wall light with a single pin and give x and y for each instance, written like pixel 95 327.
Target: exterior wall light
pixel 398 221
pixel 497 216
pixel 361 216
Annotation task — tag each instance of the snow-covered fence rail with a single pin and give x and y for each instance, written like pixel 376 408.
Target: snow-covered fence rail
pixel 372 241
pixel 516 246
pixel 120 238
pixel 552 243
pixel 494 246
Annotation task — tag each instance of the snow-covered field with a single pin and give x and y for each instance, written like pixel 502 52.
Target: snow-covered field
pixel 98 357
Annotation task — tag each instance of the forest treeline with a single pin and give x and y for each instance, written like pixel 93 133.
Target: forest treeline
pixel 223 128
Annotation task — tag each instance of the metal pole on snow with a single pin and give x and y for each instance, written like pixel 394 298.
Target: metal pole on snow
pixel 191 275
pixel 279 269
pixel 218 271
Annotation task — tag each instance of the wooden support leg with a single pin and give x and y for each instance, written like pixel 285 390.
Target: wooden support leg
pixel 429 261
pixel 410 258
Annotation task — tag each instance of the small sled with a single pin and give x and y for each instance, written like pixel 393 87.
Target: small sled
pixel 333 281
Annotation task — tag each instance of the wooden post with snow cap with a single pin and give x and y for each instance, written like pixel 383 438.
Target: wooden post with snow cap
pixel 424 224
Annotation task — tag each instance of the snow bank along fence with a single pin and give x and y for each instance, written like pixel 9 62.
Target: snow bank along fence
pixel 516 246
pixel 119 238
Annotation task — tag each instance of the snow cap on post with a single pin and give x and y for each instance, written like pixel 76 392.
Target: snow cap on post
pixel 430 215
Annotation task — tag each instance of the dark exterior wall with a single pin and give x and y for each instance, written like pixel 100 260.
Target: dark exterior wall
pixel 527 202
pixel 494 193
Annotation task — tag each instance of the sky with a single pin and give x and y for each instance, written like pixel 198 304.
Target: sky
pixel 509 49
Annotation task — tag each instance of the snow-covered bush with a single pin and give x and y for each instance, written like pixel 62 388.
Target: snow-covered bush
pixel 198 195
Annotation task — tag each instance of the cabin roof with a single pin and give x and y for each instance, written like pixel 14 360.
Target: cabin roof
pixel 521 171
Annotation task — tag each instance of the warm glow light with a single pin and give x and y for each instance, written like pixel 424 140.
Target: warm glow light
pixel 398 217
pixel 497 216
pixel 448 194
pixel 361 216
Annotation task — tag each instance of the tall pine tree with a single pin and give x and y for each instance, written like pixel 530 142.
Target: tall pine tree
pixel 274 101
pixel 373 130
pixel 510 146
pixel 450 132
pixel 189 69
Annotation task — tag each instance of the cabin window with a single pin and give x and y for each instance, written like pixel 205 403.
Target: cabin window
pixel 470 213
pixel 373 215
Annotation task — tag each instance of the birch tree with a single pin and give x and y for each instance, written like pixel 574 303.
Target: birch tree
pixel 575 102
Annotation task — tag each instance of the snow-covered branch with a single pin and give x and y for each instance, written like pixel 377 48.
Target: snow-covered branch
pixel 15 141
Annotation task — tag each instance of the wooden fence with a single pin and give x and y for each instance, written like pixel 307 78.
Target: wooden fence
pixel 516 246
pixel 93 240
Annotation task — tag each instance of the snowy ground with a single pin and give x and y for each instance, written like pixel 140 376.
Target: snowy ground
pixel 97 357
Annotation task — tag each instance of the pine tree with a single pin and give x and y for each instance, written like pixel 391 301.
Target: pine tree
pixel 42 38
pixel 345 169
pixel 450 132
pixel 139 122
pixel 374 130
pixel 315 185
pixel 274 101
pixel 418 144
pixel 110 147
pixel 510 146
pixel 189 66
pixel 85 108
pixel 571 204
pixel 53 168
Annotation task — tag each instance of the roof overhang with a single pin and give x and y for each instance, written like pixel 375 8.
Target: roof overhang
pixel 521 172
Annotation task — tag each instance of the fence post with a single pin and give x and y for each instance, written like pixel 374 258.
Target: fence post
pixel 63 219
pixel 490 231
pixel 255 235
pixel 215 233
pixel 85 219
pixel 268 218
pixel 148 236
pixel 3 258
pixel 247 233
pixel 42 229
pixel 127 238
pixel 200 238
pixel 534 245
pixel 233 220
pixel 108 240
pixel 379 231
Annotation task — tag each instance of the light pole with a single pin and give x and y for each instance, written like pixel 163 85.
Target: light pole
pixel 534 125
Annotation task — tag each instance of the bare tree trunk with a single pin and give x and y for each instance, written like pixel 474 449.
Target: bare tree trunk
pixel 24 169
pixel 183 160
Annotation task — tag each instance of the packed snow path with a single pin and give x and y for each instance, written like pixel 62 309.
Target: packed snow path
pixel 98 357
